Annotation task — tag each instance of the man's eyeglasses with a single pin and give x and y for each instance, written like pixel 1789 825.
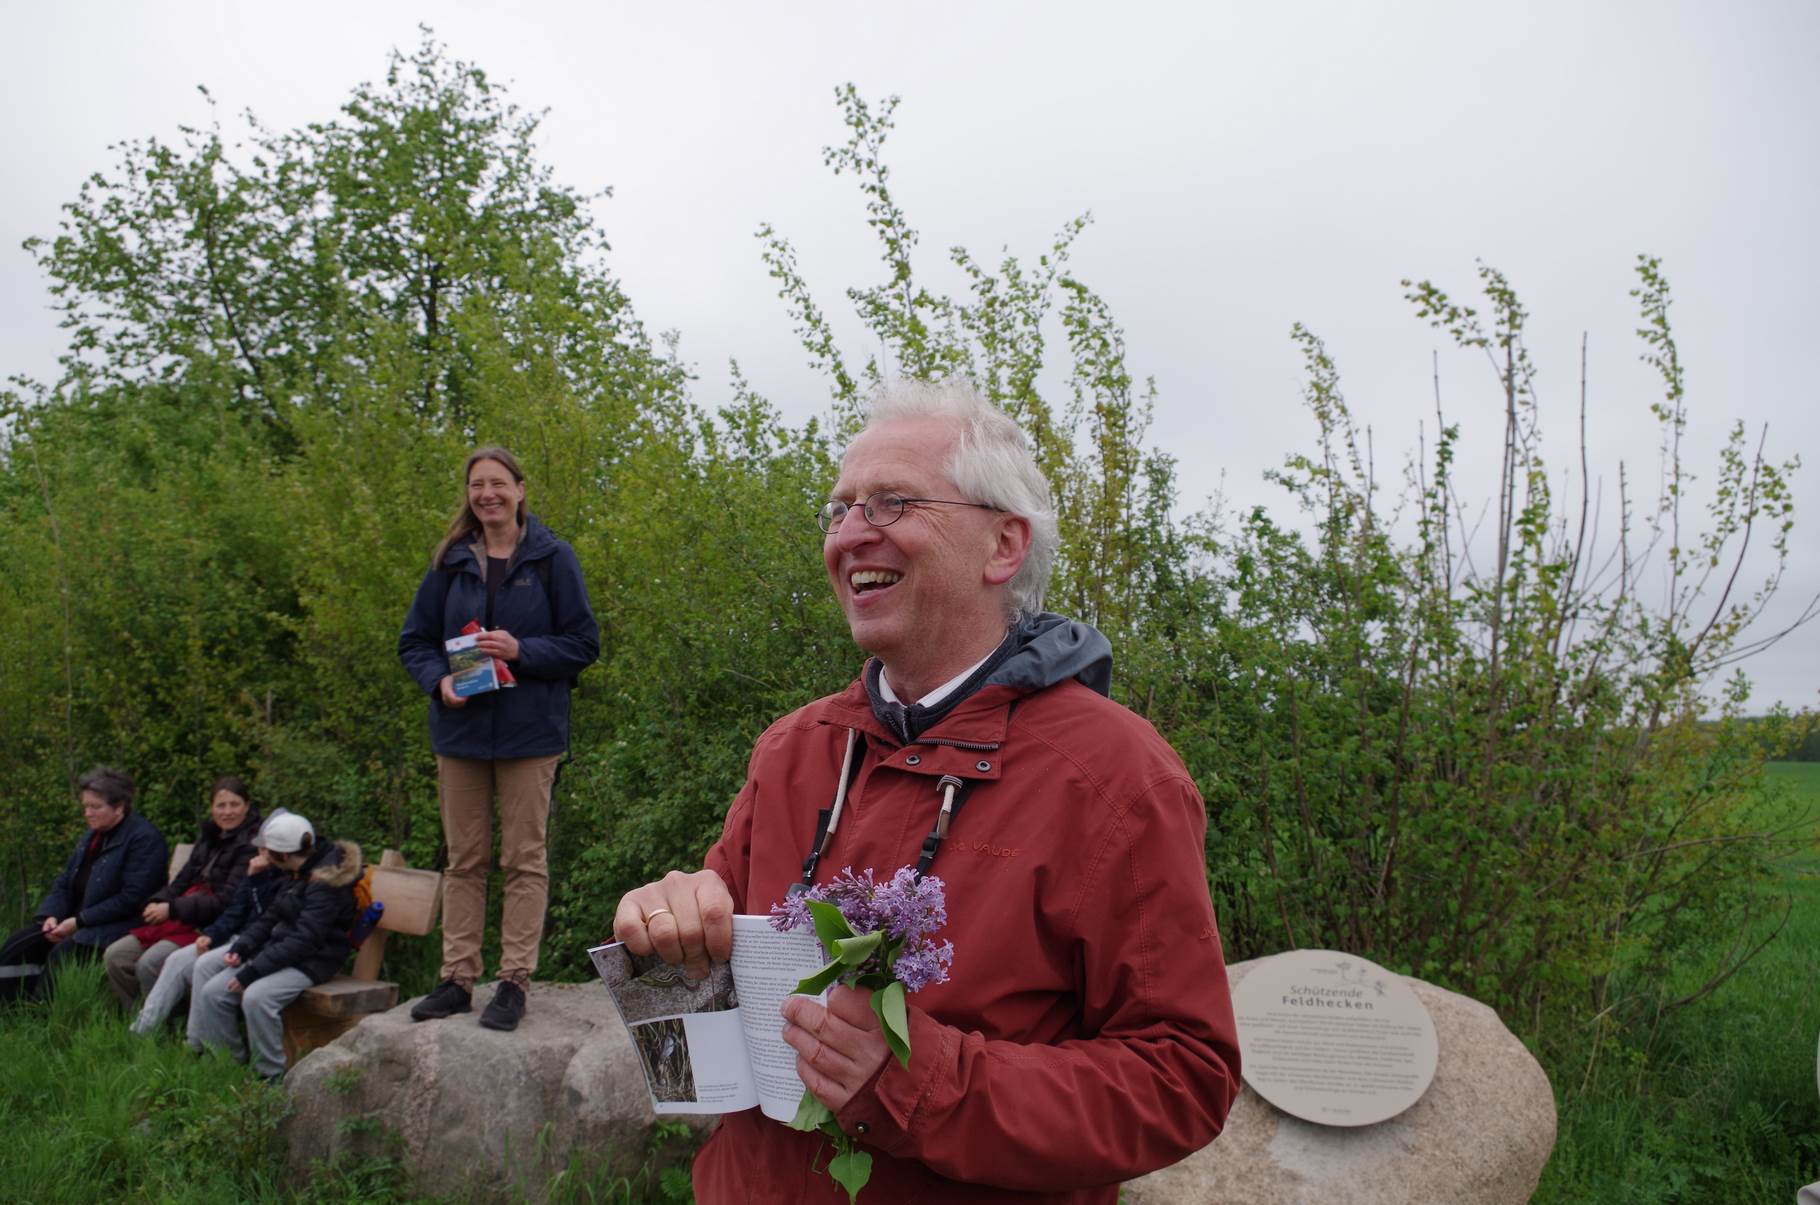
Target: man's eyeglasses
pixel 883 509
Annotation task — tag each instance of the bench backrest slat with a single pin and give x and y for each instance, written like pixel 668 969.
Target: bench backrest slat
pixel 410 898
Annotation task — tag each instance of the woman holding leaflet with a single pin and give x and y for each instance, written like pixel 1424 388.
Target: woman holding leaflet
pixel 500 569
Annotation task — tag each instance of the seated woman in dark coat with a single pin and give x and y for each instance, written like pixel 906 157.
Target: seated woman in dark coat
pixel 117 864
pixel 191 901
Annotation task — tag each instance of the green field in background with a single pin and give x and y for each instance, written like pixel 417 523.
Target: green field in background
pixel 1719 1104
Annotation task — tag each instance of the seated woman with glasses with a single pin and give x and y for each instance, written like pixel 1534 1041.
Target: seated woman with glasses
pixel 118 862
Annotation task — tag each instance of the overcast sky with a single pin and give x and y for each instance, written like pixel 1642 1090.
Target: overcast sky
pixel 1247 167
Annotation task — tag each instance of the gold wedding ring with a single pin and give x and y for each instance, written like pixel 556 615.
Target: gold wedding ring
pixel 655 913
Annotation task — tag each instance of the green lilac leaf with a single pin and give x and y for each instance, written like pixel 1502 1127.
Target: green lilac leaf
pixel 830 925
pixel 855 950
pixel 894 1019
pixel 811 1113
pixel 817 983
pixel 851 1171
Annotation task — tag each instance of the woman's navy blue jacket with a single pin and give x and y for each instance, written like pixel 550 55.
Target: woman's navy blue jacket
pixel 557 639
pixel 129 866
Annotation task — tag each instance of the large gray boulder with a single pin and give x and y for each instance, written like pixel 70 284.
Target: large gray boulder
pixel 1482 1132
pixel 473 1113
pixel 489 1116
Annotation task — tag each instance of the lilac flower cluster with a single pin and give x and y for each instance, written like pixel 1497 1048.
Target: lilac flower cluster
pixel 908 909
pixel 922 963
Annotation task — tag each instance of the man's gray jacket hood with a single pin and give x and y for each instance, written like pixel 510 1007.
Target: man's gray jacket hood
pixel 1038 651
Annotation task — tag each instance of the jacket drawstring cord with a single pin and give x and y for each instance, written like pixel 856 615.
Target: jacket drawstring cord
pixel 947 784
pixel 840 794
pixel 829 818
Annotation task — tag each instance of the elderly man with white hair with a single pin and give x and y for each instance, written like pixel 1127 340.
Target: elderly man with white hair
pixel 1085 1034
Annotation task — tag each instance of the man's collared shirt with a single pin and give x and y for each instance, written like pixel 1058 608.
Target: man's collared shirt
pixel 939 693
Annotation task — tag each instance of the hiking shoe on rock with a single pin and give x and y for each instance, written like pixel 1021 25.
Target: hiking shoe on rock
pixel 448 999
pixel 506 1008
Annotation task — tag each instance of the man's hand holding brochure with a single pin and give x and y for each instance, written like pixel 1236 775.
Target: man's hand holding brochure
pixel 715 1045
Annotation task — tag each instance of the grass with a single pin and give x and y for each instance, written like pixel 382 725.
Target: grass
pixel 90 1112
pixel 1718 1103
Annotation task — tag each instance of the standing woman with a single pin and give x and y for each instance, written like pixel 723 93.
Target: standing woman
pixel 118 862
pixel 498 565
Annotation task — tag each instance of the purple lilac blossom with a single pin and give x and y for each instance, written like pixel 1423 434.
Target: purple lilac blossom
pixel 793 912
pixel 857 897
pixel 908 909
pixel 923 964
pixel 913 908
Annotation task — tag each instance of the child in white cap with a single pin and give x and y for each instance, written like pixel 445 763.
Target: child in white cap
pixel 300 940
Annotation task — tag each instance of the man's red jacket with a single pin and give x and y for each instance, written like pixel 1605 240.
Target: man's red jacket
pixel 1085 1034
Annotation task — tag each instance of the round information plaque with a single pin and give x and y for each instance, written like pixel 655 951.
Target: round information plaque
pixel 1332 1038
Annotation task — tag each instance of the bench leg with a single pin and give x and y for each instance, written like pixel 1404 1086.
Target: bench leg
pixel 304 1032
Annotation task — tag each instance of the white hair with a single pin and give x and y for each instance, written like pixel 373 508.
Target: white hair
pixel 992 463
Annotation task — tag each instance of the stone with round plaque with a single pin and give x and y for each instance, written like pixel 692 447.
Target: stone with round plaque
pixel 1332 1038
